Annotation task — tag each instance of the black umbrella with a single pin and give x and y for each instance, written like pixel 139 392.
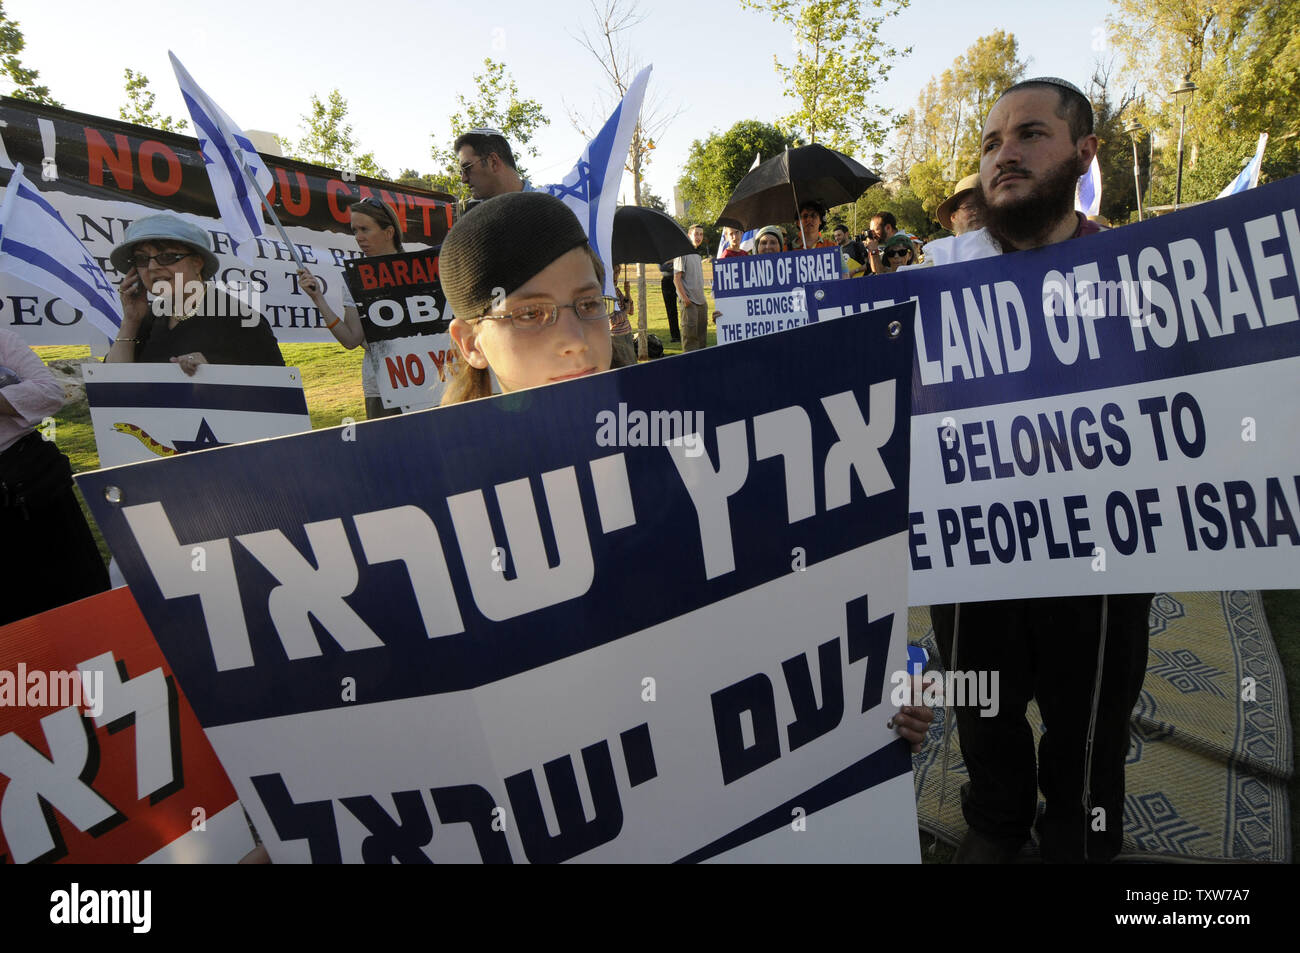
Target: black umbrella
pixel 773 192
pixel 647 235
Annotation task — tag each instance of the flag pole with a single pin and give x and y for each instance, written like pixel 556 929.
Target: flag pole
pixel 797 224
pixel 275 219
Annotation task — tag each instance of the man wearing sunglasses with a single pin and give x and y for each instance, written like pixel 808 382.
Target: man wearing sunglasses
pixel 487 165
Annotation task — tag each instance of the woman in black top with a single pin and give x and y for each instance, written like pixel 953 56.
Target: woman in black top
pixel 190 321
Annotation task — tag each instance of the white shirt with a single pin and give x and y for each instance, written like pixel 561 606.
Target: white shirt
pixel 37 394
pixel 955 248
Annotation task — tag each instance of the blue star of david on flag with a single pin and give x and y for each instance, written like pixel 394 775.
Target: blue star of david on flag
pixel 91 268
pixel 37 247
pixel 580 190
pixel 591 187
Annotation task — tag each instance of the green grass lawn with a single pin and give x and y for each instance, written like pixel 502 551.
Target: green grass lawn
pixel 332 381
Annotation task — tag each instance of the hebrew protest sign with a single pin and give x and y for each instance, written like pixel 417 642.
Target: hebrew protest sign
pixel 759 294
pixel 400 657
pixel 145 411
pixel 101 757
pixel 405 317
pixel 102 174
pixel 1114 413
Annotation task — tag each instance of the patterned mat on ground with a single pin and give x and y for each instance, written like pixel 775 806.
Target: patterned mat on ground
pixel 1207 772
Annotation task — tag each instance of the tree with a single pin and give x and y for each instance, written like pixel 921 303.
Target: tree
pixel 903 202
pixel 839 60
pixel 497 106
pixel 608 45
pixel 1243 56
pixel 139 107
pixel 329 139
pixel 943 130
pixel 716 165
pixel 11 44
pixel 650 200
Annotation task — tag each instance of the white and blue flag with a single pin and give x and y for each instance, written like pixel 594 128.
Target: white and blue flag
pixel 227 152
pixel 1087 199
pixel 1248 177
pixel 591 187
pixel 37 247
pixel 747 239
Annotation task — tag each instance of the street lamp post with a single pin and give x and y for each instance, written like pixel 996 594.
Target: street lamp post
pixel 1135 130
pixel 1183 96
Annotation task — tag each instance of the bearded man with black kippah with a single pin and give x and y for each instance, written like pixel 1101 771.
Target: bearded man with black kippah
pixel 1082 657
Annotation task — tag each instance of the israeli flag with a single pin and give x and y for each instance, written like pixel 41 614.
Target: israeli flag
pixel 37 246
pixel 227 153
pixel 591 187
pixel 1248 177
pixel 1087 198
pixel 747 239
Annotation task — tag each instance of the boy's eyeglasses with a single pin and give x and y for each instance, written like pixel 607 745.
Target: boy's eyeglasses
pixel 534 317
pixel 166 259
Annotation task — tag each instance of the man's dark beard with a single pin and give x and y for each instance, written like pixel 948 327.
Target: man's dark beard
pixel 1030 218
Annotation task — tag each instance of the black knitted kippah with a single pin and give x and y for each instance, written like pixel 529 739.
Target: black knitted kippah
pixel 502 244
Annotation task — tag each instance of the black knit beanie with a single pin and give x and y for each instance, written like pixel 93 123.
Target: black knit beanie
pixel 502 244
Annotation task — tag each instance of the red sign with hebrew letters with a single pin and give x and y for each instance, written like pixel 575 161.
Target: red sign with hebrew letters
pixel 101 757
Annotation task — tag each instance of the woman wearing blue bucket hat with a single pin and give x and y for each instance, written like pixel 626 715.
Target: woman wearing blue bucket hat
pixel 190 320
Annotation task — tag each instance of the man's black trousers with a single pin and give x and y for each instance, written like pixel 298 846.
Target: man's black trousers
pixel 1047 649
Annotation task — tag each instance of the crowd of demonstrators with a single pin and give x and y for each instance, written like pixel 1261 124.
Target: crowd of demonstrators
pixel 189 321
pixel 958 213
pixel 812 216
pixel 377 232
pixel 49 556
pixel 896 252
pixel 1037 140
pixel 668 286
pixel 487 165
pixel 620 327
pixel 769 239
pixel 884 226
pixel 733 237
pixel 855 253
pixel 1083 658
pixel 688 278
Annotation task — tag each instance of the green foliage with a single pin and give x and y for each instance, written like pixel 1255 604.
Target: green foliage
pixel 929 183
pixel 1244 57
pixel 939 137
pixel 11 44
pixel 496 106
pixel 433 181
pixel 329 141
pixel 716 165
pixel 139 107
pixel 904 203
pixel 839 60
pixel 650 200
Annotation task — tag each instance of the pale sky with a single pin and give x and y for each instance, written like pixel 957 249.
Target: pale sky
pixel 401 63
